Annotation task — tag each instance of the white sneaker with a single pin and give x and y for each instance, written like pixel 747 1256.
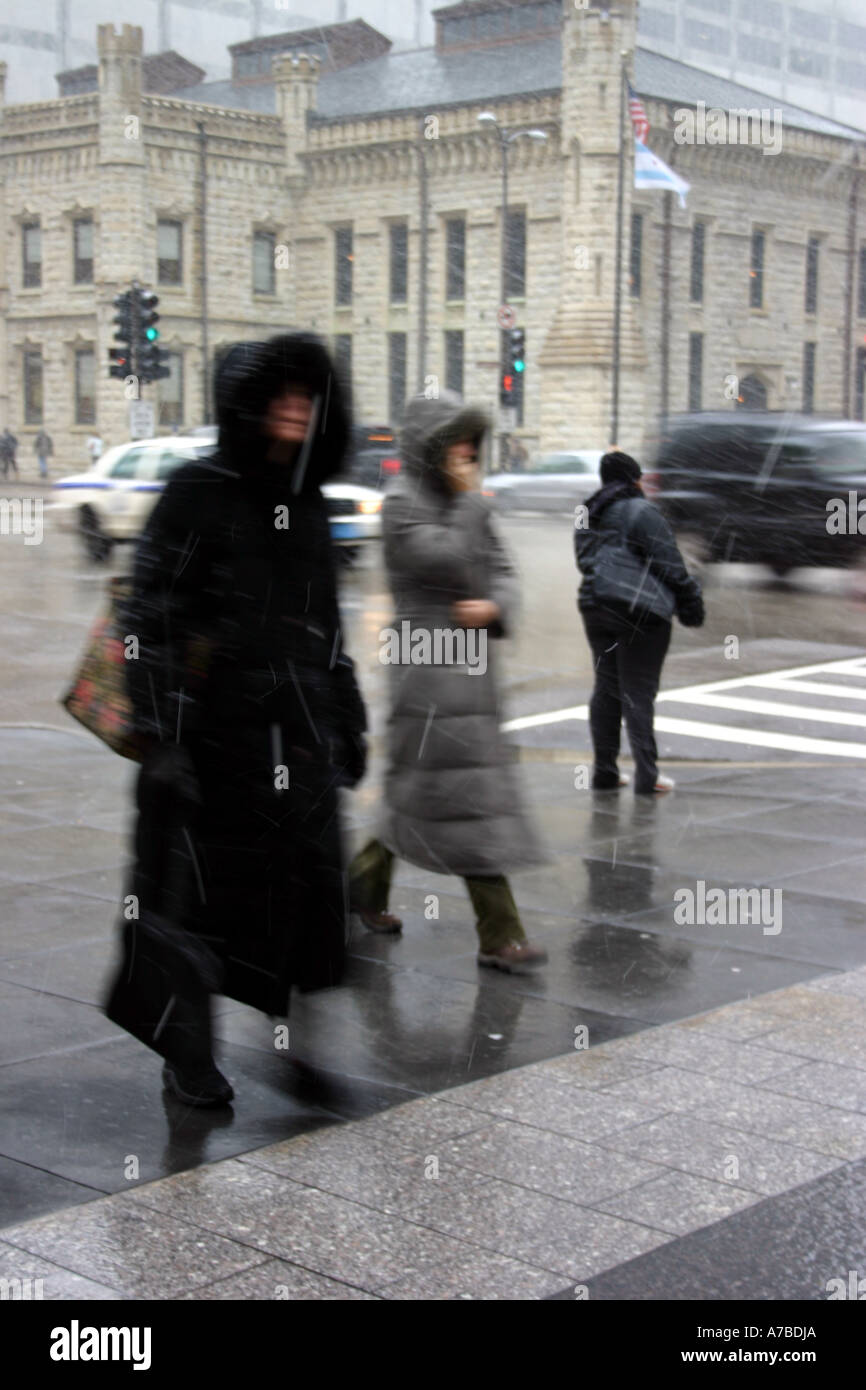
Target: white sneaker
pixel 664 784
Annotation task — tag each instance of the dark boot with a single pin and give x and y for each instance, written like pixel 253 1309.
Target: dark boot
pixel 206 1087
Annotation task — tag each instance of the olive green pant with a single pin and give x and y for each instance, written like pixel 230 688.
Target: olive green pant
pixel 497 919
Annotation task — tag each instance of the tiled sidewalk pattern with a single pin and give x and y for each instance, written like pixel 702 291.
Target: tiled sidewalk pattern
pixel 514 1187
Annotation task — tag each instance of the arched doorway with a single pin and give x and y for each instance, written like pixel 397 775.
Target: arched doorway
pixel 753 394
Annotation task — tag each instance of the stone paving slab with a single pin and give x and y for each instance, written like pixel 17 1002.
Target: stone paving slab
pixel 581 1168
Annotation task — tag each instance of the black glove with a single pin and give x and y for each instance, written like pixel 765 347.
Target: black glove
pixel 691 613
pixel 170 768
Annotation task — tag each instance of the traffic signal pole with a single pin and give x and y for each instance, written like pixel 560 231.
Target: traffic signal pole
pixel 138 359
pixel 135 329
pixel 503 141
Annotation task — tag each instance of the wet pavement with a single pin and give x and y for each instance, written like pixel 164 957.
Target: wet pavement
pixel 416 1016
pixel 417 1019
pixel 718 1158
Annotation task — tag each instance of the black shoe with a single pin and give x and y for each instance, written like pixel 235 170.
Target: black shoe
pixel 609 784
pixel 202 1088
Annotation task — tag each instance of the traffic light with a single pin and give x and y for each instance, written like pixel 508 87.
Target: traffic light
pixel 150 358
pixel 516 348
pixel 147 315
pixel 123 317
pixel 506 389
pixel 152 363
pixel 120 363
pixel 120 358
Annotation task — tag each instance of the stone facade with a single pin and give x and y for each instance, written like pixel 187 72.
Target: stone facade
pixel 130 160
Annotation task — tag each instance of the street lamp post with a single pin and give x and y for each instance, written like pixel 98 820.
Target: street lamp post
pixel 506 139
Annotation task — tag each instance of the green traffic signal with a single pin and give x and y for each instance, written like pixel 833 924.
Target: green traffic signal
pixel 516 349
pixel 151 334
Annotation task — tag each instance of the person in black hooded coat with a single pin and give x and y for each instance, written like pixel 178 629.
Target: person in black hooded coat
pixel 634 580
pixel 252 714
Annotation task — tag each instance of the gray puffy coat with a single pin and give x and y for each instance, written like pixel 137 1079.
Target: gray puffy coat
pixel 452 793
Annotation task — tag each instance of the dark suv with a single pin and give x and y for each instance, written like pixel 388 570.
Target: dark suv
pixel 759 486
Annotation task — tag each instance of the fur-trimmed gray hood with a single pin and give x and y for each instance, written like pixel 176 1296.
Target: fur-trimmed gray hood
pixel 430 427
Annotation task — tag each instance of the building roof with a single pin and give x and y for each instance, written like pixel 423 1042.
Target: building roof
pixel 160 72
pixel 237 96
pixel 293 23
pixel 670 80
pixel 340 45
pixel 423 79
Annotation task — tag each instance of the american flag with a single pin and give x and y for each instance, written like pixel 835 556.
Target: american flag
pixel 638 115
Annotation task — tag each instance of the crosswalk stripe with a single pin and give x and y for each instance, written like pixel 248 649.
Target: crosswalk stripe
pixel 760 738
pixel 536 721
pixel 719 695
pixel 836 692
pixel 749 706
pixel 855 666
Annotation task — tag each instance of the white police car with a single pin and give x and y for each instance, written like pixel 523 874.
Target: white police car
pixel 112 501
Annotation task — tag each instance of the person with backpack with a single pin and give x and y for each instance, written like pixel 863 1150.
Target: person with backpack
pixel 634 581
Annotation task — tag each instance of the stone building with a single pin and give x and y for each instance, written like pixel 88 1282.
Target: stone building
pixel 365 201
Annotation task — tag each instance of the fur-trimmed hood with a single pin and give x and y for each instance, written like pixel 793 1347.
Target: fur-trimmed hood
pixel 248 378
pixel 430 427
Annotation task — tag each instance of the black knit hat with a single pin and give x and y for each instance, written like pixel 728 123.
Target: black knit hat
pixel 617 467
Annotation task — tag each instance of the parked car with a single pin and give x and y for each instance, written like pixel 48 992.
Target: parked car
pixel 111 502
pixel 553 483
pixel 754 486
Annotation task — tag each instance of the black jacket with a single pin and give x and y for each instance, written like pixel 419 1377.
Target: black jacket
pixel 241 667
pixel 660 584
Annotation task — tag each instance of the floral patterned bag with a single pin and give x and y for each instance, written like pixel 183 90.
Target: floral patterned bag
pixel 97 697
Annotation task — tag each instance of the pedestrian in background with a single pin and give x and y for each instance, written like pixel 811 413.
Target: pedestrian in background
pixel 8 445
pixel 252 715
pixel 634 580
pixel 519 458
pixel 94 447
pixel 452 796
pixel 43 448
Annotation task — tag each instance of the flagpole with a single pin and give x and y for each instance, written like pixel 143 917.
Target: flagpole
pixel 617 300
